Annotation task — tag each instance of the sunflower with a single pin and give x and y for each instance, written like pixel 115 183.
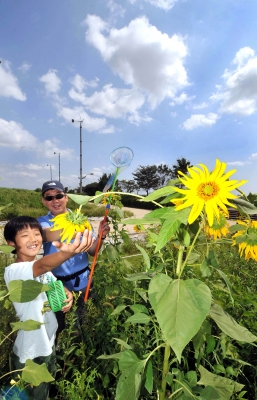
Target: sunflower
pixel 246 239
pixel 112 198
pixel 70 222
pixel 137 228
pixel 207 190
pixel 219 227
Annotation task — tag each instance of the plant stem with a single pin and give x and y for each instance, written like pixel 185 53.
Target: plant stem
pixel 165 370
pixel 180 258
pixel 190 249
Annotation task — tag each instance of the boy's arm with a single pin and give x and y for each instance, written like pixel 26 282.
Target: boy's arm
pixel 51 236
pixel 48 263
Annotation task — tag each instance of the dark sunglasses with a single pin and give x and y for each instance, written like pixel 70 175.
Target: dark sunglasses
pixel 58 196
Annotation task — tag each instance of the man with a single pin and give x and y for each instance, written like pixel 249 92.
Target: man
pixel 74 272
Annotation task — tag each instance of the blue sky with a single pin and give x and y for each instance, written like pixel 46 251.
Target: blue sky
pixel 167 78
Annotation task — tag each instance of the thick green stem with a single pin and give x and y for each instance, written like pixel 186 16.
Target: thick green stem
pixel 165 371
pixel 180 259
pixel 190 249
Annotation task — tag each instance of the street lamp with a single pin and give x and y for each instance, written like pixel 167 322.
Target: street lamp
pixel 90 173
pixel 80 168
pixel 50 165
pixel 59 156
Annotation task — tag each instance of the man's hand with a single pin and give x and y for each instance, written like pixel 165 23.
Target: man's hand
pixel 104 227
pixel 78 246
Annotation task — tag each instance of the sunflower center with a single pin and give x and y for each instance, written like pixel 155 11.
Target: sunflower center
pixel 208 190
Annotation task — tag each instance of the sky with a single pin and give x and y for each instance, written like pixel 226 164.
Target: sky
pixel 166 78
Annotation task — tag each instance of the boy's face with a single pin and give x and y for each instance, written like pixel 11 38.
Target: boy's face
pixel 55 206
pixel 27 243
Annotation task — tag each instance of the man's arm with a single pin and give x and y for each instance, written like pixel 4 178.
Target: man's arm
pixel 66 251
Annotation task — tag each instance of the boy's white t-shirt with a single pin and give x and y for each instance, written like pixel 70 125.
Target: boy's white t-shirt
pixel 39 342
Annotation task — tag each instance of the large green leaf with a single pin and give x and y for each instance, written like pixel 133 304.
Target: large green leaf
pixel 140 276
pixel 36 374
pixel 130 381
pixel 111 252
pixel 224 386
pixel 229 326
pixel 159 193
pixel 79 199
pixel 244 206
pixel 168 230
pixel 180 307
pixel 23 291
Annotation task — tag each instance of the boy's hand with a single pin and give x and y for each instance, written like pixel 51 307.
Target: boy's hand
pixel 104 227
pixel 78 246
pixel 68 301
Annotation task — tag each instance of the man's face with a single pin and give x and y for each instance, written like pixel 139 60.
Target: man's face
pixel 55 206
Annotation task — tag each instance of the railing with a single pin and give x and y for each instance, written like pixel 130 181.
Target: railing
pixel 234 214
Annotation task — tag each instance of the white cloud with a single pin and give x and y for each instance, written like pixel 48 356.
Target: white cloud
pixel 116 9
pixel 25 67
pixel 9 86
pixel 131 50
pixel 52 81
pixel 80 83
pixel 181 99
pixel 163 4
pixel 89 123
pixel 14 136
pixel 111 102
pixel 200 106
pixel 238 163
pixel 199 120
pixel 239 93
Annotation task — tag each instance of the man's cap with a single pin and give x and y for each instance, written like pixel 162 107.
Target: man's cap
pixel 52 185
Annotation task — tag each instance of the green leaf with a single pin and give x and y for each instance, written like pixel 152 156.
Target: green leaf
pixel 98 199
pixel 244 206
pixel 29 325
pixel 229 326
pixel 130 381
pixel 111 356
pixel 111 252
pixel 145 256
pixel 229 286
pixel 138 318
pixel 123 344
pixel 177 301
pixel 137 308
pixel 186 237
pixel 23 291
pixel 236 227
pixel 149 377
pixel 118 309
pixel 158 193
pixel 79 199
pixel 140 276
pixel 201 335
pixel 168 229
pixel 6 249
pixel 209 393
pixel 141 221
pixel 36 374
pixel 193 258
pixel 143 294
pixel 224 386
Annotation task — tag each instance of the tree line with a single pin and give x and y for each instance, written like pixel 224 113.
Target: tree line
pixel 146 178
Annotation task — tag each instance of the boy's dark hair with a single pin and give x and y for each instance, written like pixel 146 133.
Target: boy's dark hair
pixel 17 224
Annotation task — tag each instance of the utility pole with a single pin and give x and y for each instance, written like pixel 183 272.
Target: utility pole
pixel 59 156
pixel 50 165
pixel 80 156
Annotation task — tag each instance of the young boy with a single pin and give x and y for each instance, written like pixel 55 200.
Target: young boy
pixel 25 235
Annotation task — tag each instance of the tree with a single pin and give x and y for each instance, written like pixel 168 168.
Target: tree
pixel 146 177
pixel 182 165
pixel 128 186
pixel 164 174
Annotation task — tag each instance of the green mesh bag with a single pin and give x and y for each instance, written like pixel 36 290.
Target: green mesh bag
pixel 56 295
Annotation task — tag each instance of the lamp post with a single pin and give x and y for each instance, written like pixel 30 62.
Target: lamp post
pixel 90 173
pixel 59 157
pixel 50 165
pixel 80 168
